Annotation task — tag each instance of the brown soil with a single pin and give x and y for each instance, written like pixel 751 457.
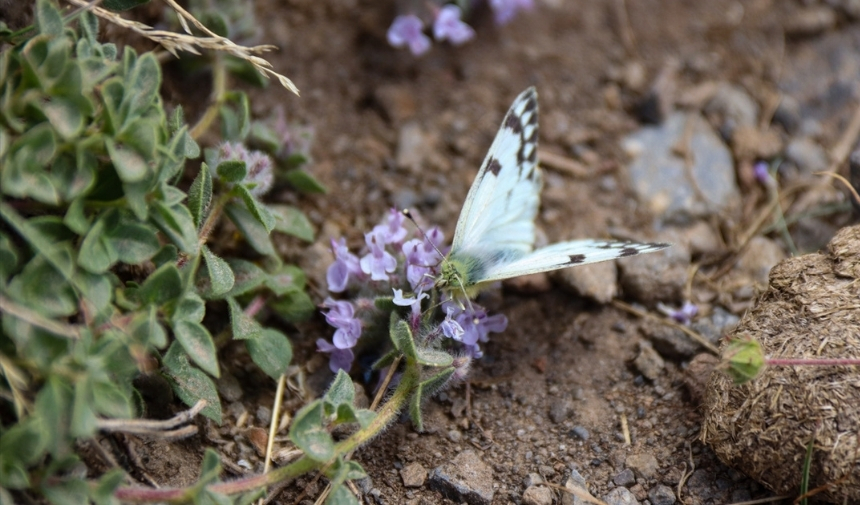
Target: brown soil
pixel 563 362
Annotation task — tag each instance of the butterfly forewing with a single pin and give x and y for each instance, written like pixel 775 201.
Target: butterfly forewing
pixel 501 207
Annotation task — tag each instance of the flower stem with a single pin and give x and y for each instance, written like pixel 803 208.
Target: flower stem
pixel 812 362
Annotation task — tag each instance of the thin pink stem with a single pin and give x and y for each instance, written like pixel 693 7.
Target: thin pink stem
pixel 815 362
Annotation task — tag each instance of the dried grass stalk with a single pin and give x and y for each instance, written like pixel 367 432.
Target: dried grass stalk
pixel 810 310
pixel 174 42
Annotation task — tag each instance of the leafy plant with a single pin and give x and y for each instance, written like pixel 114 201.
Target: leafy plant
pixel 104 260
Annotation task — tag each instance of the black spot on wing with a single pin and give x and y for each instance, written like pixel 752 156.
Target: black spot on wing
pixel 628 251
pixel 512 122
pixel 576 259
pixel 494 166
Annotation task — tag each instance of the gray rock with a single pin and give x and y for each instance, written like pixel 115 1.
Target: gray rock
pixel 649 363
pixel 658 276
pixel 661 495
pixel 625 478
pixel 595 281
pixel 560 410
pixel 575 482
pixel 734 106
pixel 537 495
pixel 662 180
pixel 760 255
pixel 580 432
pixel 412 147
pixel 532 479
pixel 670 342
pixel 807 155
pixel 720 323
pixel 465 478
pixel 643 465
pixel 620 496
pixel 413 475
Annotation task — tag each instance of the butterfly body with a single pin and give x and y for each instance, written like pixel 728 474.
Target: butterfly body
pixel 495 234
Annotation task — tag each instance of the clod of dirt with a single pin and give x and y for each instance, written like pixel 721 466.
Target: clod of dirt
pixel 764 427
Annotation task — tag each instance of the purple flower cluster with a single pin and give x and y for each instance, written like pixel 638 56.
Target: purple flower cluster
pixel 408 30
pixel 257 163
pixel 390 265
pixel 683 315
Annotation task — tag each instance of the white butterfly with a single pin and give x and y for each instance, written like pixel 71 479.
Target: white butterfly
pixel 495 234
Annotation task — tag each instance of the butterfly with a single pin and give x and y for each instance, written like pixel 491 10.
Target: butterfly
pixel 495 234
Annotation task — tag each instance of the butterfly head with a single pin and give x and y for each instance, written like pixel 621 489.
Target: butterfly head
pixel 454 277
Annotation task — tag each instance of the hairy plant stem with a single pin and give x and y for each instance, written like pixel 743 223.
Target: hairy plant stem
pixel 812 362
pixel 386 414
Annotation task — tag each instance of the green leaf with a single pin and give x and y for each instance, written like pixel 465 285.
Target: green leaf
pixel 434 357
pixel 83 417
pixel 271 351
pixel 110 400
pixel 232 171
pixel 342 390
pixel 247 275
pixel 244 327
pixel 130 165
pixel 198 343
pixel 65 116
pixel 260 211
pixel 48 19
pixel 65 492
pixel 386 360
pixel 309 434
pixel 75 218
pixel 401 335
pixel 53 408
pixel 146 329
pixel 287 279
pixel 143 84
pixel 162 286
pixel 200 195
pixel 8 258
pixel 292 221
pixel 255 233
pixel 415 411
pixel 294 307
pixel 221 277
pixel 44 289
pixel 134 243
pixel 304 181
pixel 191 384
pixel 176 222
pixel 432 385
pixel 211 467
pixel 235 122
pixel 97 255
pixel 20 446
pixel 341 495
pixel 245 71
pixel 365 417
pixel 107 486
pixel 167 254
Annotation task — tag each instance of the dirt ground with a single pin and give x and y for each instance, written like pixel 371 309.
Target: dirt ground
pixel 556 390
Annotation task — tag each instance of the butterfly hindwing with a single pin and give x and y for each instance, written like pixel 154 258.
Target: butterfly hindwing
pixel 566 254
pixel 503 202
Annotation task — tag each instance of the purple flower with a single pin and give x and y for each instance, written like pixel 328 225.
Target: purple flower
pixel 415 303
pixel 345 264
pixel 449 26
pixel 378 262
pixel 505 10
pixel 392 232
pixel 451 328
pixel 761 173
pixel 341 316
pixel 340 359
pixel 409 30
pixel 475 322
pixel 684 315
